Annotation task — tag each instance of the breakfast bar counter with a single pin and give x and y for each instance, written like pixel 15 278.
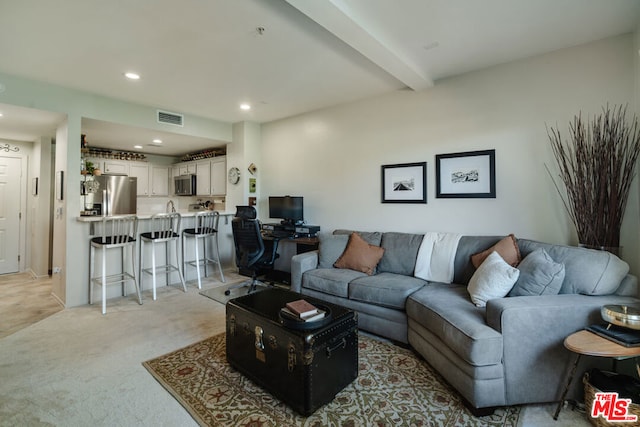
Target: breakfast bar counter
pixel 225 238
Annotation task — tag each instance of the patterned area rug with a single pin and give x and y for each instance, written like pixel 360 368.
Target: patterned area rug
pixel 393 388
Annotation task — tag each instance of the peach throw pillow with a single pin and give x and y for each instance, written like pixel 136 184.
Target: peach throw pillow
pixel 360 255
pixel 507 248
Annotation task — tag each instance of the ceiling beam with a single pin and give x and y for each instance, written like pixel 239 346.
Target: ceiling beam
pixel 329 15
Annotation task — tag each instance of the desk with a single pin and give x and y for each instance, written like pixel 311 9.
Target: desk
pixel 589 344
pixel 282 269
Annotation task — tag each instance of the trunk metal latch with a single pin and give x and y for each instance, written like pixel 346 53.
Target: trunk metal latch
pixel 259 344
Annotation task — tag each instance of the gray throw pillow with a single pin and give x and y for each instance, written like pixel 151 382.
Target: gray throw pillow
pixel 539 275
pixel 330 247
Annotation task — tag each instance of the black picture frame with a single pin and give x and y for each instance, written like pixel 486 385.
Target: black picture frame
pixel 404 183
pixel 470 174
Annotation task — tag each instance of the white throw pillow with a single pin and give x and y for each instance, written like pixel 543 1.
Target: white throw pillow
pixel 494 278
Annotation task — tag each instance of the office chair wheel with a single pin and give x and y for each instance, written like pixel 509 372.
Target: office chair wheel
pixel 227 292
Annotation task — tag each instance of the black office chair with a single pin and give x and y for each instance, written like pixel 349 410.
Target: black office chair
pixel 253 253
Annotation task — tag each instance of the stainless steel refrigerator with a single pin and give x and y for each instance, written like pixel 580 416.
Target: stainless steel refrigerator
pixel 116 194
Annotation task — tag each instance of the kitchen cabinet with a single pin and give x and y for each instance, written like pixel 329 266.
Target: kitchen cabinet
pixel 211 175
pixel 116 166
pixel 186 168
pixel 203 178
pixel 219 176
pixel 153 180
pixel 159 180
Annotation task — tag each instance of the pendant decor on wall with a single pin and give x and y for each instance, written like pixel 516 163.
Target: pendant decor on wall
pixel 8 148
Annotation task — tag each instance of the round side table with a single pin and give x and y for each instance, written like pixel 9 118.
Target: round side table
pixel 589 344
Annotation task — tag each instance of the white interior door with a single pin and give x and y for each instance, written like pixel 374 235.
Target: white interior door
pixel 10 171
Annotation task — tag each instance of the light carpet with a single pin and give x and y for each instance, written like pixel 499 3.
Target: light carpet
pixel 393 388
pixel 80 368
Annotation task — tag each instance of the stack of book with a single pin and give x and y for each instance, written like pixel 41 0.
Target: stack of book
pixel 302 311
pixel 618 334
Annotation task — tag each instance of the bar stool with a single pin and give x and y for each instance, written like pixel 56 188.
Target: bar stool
pixel 164 229
pixel 117 232
pixel 206 225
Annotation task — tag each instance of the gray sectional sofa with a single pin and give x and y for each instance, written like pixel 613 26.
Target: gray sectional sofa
pixel 506 353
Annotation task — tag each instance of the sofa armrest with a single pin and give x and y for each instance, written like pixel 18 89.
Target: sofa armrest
pixel 533 331
pixel 299 264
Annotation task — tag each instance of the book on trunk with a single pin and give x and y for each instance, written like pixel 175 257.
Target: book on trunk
pixel 319 314
pixel 302 308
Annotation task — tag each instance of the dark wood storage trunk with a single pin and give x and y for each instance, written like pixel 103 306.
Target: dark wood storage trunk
pixel 303 368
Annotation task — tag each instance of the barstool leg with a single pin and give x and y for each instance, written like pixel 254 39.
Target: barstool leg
pixel 133 270
pixel 184 285
pixel 104 281
pixel 167 273
pixel 198 265
pixel 153 267
pixel 91 266
pixel 215 242
pixel 124 269
pixel 140 262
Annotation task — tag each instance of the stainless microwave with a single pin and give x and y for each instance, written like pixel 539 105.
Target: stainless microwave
pixel 185 185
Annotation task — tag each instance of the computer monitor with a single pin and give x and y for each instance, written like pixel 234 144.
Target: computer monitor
pixel 288 208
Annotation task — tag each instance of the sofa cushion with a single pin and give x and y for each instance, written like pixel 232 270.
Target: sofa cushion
pixel 587 271
pixel 493 279
pixel 371 237
pixel 539 275
pixel 360 255
pixel 384 289
pixel 446 311
pixel 463 269
pixel 507 248
pixel 330 247
pixel 400 253
pixel 330 281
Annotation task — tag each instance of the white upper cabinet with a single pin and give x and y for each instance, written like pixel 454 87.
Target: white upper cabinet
pixel 219 176
pixel 159 180
pixel 141 171
pixel 203 178
pixel 116 166
pixel 153 180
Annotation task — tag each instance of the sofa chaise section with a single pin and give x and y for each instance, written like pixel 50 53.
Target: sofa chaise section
pixel 509 352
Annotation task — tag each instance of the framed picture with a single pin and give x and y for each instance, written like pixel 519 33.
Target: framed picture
pixel 60 185
pixel 404 183
pixel 466 175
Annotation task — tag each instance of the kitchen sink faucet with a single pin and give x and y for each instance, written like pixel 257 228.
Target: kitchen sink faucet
pixel 170 204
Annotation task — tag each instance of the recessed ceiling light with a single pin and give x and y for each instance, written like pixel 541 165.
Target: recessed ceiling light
pixel 137 146
pixel 132 76
pixel 244 106
pixel 157 141
pixel 1 114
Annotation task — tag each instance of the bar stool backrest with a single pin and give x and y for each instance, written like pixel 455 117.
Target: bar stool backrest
pixel 165 225
pixel 207 222
pixel 118 230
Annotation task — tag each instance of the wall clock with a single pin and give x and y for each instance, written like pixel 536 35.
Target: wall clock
pixel 234 175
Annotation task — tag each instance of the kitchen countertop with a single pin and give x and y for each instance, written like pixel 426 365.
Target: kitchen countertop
pixel 184 213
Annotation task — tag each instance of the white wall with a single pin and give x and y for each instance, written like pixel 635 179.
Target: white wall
pixel 332 157
pixel 40 207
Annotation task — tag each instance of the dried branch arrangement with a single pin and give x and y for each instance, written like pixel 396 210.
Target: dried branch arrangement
pixel 597 166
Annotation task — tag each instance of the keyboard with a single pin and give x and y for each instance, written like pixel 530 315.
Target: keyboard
pixel 276 234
